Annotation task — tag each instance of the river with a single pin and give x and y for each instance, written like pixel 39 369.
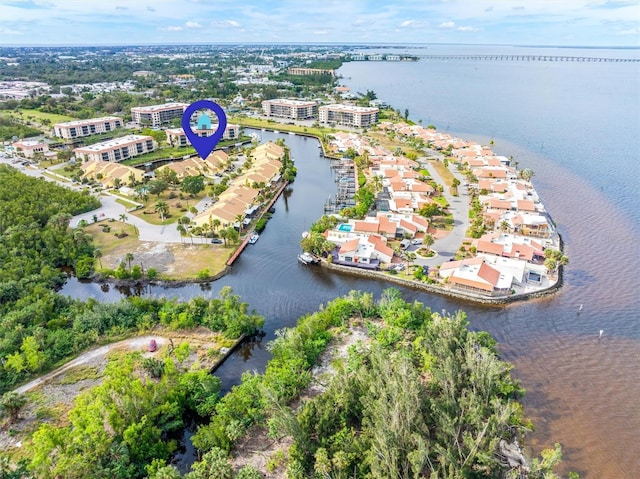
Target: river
pixel 576 125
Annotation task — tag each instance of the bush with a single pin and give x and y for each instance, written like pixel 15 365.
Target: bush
pixel 152 273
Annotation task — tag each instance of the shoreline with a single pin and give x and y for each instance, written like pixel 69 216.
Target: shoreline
pixel 348 270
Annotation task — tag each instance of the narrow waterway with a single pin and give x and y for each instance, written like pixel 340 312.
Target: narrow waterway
pixel 581 390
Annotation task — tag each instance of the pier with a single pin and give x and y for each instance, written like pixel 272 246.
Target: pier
pixel 529 58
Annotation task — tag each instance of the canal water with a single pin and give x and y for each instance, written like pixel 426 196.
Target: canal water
pixel 581 390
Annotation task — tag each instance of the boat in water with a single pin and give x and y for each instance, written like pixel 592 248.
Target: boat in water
pixel 306 258
pixel 254 238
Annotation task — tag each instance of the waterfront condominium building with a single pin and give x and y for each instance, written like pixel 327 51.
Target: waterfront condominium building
pixel 117 149
pixel 176 136
pixel 156 115
pixel 292 109
pixel 348 115
pixel 93 126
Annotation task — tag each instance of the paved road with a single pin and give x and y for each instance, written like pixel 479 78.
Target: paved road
pixel 112 209
pixel 459 205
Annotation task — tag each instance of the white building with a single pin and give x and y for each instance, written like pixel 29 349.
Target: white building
pixel 29 148
pixel 177 137
pixel 79 128
pixel 348 115
pixel 117 149
pixel 292 109
pixel 156 115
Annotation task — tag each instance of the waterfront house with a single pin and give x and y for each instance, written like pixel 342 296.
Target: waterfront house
pixel 475 275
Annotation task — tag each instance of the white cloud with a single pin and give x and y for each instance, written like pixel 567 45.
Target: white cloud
pixel 466 29
pixel 192 25
pixel 174 28
pixel 232 23
pixel 320 32
pixel 447 25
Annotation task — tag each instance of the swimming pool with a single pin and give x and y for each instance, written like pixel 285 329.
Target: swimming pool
pixel 345 227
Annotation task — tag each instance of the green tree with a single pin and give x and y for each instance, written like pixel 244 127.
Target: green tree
pixel 214 465
pixel 162 208
pixel 192 185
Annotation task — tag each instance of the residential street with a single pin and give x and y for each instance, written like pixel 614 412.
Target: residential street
pixel 447 246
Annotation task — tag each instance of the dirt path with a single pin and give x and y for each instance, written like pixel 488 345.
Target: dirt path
pixel 91 357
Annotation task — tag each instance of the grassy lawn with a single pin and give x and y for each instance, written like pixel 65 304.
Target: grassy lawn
pixel 260 123
pixel 39 116
pixel 443 171
pixel 109 242
pixel 442 222
pixel 55 177
pixel 126 204
pixel 178 207
pixel 172 261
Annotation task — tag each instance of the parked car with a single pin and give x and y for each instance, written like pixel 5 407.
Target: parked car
pixel 416 241
pixel 216 241
pixel 153 345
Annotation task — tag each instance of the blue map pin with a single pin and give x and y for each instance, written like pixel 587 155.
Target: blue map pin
pixel 204 145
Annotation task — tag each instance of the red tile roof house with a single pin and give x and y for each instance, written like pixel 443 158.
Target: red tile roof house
pixel 364 253
pixel 476 276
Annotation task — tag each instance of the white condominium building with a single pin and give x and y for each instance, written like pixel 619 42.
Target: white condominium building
pixel 117 149
pixel 348 115
pixel 156 115
pixel 176 136
pixel 93 126
pixel 293 109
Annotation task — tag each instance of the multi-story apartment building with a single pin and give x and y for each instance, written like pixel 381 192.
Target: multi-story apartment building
pixel 348 115
pixel 292 109
pixel 79 128
pixel 117 149
pixel 156 115
pixel 176 136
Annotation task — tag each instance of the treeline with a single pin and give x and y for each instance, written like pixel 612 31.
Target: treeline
pixel 9 127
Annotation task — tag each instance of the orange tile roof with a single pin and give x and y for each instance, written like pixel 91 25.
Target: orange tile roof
pixel 349 246
pixel 366 226
pixel 526 205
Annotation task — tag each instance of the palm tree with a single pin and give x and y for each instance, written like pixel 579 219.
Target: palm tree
pixel 428 241
pixel 162 209
pixel 182 230
pixel 128 258
pixel 239 219
pixel 224 234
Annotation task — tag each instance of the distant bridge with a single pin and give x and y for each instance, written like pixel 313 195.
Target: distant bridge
pixel 527 58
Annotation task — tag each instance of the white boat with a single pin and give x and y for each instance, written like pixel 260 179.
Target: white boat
pixel 306 258
pixel 253 238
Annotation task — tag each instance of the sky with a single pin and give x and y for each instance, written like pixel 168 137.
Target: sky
pixel 510 22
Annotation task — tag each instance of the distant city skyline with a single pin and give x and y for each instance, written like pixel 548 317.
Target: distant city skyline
pixel 515 22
